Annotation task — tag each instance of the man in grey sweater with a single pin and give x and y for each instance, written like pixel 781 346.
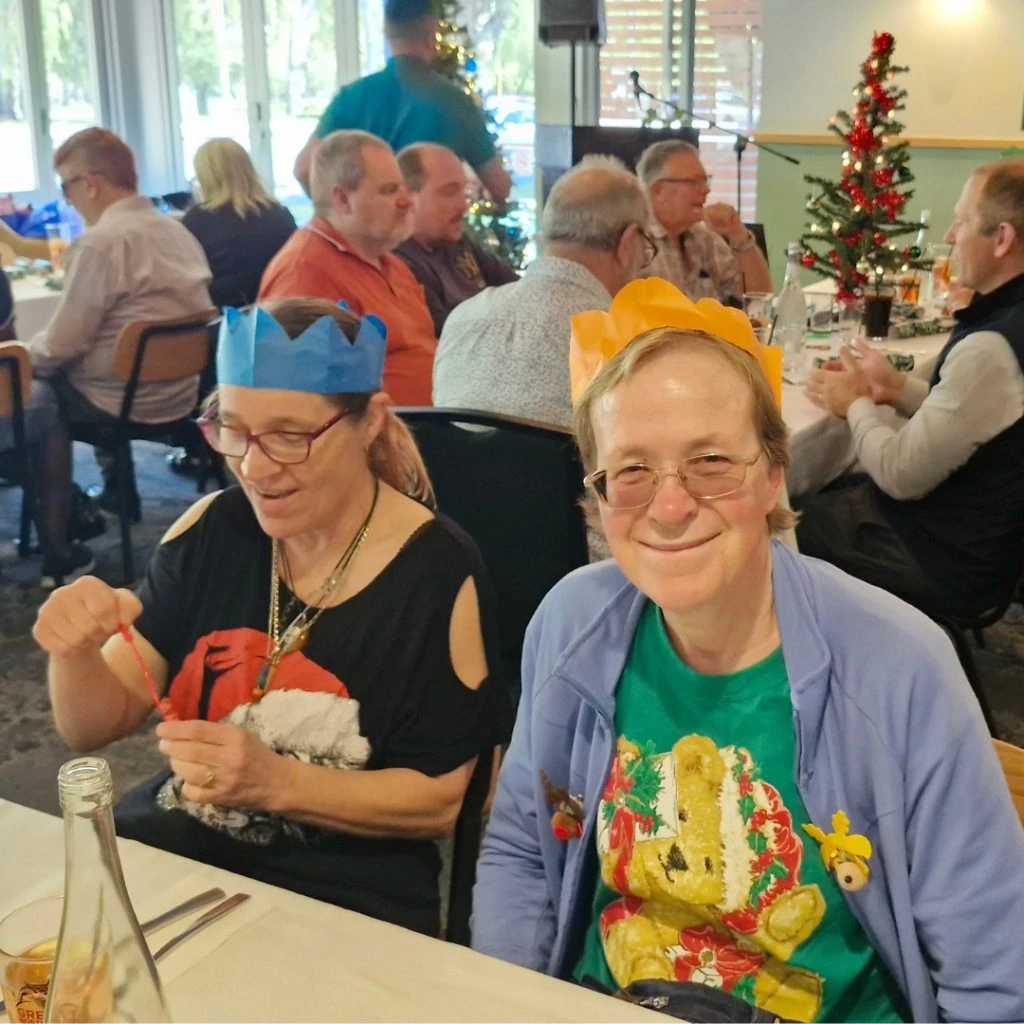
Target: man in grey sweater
pixel 940 517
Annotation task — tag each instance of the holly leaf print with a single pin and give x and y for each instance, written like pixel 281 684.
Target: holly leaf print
pixel 746 805
pixel 757 841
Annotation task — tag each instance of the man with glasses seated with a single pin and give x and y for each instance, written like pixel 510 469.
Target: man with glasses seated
pixel 451 267
pixel 133 263
pixel 705 251
pixel 507 349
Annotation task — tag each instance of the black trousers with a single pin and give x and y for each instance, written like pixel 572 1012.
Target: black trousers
pixel 844 525
pixel 77 410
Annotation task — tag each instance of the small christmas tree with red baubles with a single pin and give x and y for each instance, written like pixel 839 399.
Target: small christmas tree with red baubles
pixel 854 222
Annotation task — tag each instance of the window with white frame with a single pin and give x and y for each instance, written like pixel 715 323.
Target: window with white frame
pixel 48 88
pixel 705 55
pixel 212 100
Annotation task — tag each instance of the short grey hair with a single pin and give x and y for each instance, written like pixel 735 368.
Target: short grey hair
pixel 338 160
pixel 593 203
pixel 653 159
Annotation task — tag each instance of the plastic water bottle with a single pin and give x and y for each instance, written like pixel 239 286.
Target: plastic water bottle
pixel 791 315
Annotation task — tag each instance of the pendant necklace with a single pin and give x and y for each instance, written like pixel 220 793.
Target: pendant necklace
pixel 296 633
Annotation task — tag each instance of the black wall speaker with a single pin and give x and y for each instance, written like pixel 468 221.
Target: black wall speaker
pixel 571 21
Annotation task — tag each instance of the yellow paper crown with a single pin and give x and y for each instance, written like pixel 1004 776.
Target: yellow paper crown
pixel 653 302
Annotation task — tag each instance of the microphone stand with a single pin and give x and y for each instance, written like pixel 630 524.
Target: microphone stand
pixel 741 143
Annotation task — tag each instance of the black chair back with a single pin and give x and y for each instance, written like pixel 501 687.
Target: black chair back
pixel 757 230
pixel 514 487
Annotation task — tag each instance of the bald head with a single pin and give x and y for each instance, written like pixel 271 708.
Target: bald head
pixel 437 180
pixel 592 204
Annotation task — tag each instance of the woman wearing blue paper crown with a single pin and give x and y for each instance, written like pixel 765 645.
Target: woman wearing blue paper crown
pixel 740 781
pixel 320 638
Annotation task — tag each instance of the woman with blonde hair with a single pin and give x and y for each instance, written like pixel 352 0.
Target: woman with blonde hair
pixel 738 776
pixel 320 638
pixel 237 221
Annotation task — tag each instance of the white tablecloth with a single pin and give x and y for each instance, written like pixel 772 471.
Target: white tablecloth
pixel 821 444
pixel 283 957
pixel 34 304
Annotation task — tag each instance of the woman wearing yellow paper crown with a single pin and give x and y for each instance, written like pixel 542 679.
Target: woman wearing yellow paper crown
pixel 321 637
pixel 785 788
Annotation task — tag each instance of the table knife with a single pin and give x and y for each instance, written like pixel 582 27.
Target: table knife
pixel 181 910
pixel 201 922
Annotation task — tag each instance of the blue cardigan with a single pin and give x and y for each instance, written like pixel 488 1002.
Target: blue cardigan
pixel 887 730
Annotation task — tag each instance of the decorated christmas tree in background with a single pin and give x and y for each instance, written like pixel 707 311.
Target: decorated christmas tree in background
pixel 493 226
pixel 853 222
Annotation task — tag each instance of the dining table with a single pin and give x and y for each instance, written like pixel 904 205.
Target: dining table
pixel 34 304
pixel 821 444
pixel 280 956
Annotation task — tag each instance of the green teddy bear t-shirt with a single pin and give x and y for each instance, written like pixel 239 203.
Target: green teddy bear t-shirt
pixel 706 873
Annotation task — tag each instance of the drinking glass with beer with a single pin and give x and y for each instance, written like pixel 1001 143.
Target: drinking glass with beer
pixel 28 941
pixel 58 238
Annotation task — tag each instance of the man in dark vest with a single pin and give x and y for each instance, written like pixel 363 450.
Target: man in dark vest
pixel 939 519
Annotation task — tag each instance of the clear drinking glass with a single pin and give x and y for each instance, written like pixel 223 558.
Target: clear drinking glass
pixel 28 941
pixel 758 308
pixel 58 238
pixel 847 316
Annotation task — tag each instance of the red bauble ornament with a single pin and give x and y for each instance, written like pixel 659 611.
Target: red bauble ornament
pixel 882 44
pixel 880 239
pixel 807 260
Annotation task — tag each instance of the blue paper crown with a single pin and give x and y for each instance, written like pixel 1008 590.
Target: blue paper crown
pixel 254 351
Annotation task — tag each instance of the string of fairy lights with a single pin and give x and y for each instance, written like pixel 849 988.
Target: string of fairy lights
pixel 493 226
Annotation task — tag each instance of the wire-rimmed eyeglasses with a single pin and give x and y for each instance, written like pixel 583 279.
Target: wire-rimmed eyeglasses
pixel 704 476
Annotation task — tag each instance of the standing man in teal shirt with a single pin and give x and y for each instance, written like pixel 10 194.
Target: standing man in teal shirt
pixel 411 102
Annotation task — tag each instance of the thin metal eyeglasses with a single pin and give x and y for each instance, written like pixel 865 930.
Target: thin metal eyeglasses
pixel 650 248
pixel 650 245
pixel 65 185
pixel 286 447
pixel 704 182
pixel 704 476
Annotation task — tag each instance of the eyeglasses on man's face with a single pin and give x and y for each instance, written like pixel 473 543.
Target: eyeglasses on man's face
pixel 650 248
pixel 702 182
pixel 65 185
pixel 705 476
pixel 287 447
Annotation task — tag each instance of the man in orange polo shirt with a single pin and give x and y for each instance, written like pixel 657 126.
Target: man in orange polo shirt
pixel 362 212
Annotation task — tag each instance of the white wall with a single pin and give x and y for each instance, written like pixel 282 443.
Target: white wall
pixel 966 60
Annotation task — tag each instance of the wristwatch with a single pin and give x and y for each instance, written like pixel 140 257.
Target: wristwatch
pixel 747 245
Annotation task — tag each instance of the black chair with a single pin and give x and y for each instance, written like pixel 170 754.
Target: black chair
pixel 957 627
pixel 15 388
pixel 149 352
pixel 757 230
pixel 514 487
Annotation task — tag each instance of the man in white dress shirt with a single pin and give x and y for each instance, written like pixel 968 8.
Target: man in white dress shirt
pixel 133 263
